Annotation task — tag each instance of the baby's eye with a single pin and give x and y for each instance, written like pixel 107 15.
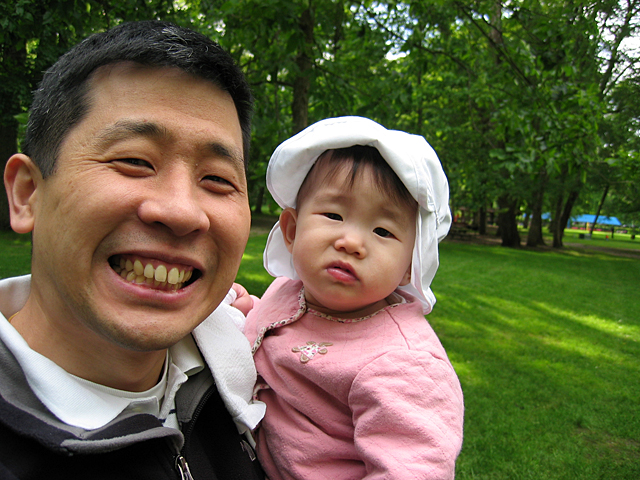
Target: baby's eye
pixel 333 216
pixel 382 232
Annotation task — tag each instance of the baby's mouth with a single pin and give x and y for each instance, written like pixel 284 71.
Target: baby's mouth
pixel 156 275
pixel 344 269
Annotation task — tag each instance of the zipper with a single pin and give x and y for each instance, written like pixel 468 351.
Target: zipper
pixel 180 463
pixel 183 468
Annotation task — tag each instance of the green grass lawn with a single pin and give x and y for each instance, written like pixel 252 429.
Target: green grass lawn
pixel 15 254
pixel 621 241
pixel 547 348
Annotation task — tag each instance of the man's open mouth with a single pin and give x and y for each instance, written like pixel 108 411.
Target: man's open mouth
pixel 153 274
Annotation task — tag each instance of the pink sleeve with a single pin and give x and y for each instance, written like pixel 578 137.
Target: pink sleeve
pixel 408 415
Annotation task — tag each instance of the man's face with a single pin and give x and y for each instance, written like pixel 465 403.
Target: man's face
pixel 152 177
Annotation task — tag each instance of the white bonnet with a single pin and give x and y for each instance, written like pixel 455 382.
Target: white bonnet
pixel 410 156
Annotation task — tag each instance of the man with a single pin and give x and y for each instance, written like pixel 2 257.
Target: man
pixel 132 182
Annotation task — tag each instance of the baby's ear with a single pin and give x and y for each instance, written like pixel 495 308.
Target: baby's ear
pixel 406 279
pixel 288 224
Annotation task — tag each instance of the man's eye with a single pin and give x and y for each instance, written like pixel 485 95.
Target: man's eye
pixel 217 179
pixel 219 185
pixel 333 216
pixel 382 232
pixel 135 161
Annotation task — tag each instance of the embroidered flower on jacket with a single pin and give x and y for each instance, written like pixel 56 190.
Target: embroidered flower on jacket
pixel 308 351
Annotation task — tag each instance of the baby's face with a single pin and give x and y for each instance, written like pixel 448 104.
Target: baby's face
pixel 352 247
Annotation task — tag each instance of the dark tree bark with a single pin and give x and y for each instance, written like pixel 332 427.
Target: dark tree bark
pixel 8 146
pixel 507 221
pixel 604 197
pixel 563 213
pixel 302 82
pixel 534 237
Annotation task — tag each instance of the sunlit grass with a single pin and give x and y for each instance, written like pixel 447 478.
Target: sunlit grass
pixel 598 239
pixel 15 254
pixel 252 274
pixel 547 348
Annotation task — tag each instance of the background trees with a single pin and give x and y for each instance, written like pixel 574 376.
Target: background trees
pixel 33 34
pixel 532 106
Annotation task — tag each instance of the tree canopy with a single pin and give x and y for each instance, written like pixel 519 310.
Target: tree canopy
pixel 532 106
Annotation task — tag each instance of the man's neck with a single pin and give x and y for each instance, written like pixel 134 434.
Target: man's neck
pixel 86 354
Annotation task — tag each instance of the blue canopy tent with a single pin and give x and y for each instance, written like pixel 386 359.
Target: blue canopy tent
pixel 587 218
pixel 602 220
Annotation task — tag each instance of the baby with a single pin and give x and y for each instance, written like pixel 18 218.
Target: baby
pixel 356 382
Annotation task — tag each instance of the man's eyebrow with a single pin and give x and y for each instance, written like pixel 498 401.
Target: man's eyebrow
pixel 221 150
pixel 124 129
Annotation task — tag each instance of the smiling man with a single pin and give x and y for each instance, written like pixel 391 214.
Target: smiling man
pixel 132 182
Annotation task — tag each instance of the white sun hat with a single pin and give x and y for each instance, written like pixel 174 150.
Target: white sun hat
pixel 410 157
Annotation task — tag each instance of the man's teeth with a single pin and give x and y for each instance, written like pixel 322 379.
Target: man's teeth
pixel 158 277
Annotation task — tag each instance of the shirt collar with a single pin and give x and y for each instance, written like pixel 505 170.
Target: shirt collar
pixel 70 399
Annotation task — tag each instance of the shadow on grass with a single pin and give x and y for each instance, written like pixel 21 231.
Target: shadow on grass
pixel 547 349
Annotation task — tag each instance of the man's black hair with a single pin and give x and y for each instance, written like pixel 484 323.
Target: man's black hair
pixel 61 101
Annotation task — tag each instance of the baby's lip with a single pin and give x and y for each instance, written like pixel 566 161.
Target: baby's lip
pixel 343 267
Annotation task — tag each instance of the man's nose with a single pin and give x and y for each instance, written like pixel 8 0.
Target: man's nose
pixel 174 202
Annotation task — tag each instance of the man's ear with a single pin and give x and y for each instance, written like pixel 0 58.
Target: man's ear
pixel 288 224
pixel 21 179
pixel 407 277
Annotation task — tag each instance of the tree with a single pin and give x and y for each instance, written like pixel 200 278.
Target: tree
pixel 536 93
pixel 305 60
pixel 33 34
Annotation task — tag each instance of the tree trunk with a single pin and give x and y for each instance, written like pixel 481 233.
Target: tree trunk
pixel 14 53
pixel 8 146
pixel 563 213
pixel 482 221
pixel 604 196
pixel 507 221
pixel 259 201
pixel 534 237
pixel 302 82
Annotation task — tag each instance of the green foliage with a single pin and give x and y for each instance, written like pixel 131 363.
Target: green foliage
pixel 528 101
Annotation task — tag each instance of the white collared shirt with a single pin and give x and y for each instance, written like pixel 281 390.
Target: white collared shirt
pixel 88 405
pixel 220 343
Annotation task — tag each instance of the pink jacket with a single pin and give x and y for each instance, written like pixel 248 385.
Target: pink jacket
pixel 373 399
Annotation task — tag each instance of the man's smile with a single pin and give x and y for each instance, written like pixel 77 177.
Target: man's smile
pixel 154 274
